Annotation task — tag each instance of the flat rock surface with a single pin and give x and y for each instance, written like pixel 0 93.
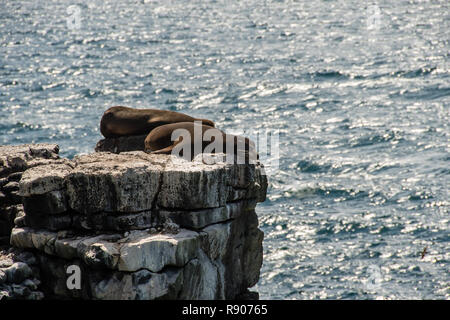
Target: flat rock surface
pixel 20 157
pixel 135 181
pixel 138 250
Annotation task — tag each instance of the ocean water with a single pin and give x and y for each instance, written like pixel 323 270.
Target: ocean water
pixel 358 91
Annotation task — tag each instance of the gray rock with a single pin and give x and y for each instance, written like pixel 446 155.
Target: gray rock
pixel 44 241
pixel 21 238
pixel 97 253
pixel 154 252
pixel 17 279
pixel 3 277
pixel 200 280
pixel 119 286
pixel 15 176
pixel 3 181
pixel 26 257
pixel 2 198
pixel 49 203
pixel 18 272
pixel 11 186
pixel 129 183
pixel 30 284
pixel 216 240
pixel 243 255
pixel 139 226
pixel 5 294
pixel 20 291
pixel 19 220
pixel 6 260
pixel 197 219
pixel 191 185
pixel 135 221
pixel 50 222
pixel 171 227
pixel 126 186
pixel 150 286
pixel 67 248
pixel 43 179
pixel 20 157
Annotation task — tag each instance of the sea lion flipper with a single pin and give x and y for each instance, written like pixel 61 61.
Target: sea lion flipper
pixel 167 150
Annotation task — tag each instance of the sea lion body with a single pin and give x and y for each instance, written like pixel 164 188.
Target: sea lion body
pixel 121 121
pixel 159 140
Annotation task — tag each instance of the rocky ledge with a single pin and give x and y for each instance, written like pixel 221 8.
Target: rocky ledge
pixel 141 226
pixel 14 160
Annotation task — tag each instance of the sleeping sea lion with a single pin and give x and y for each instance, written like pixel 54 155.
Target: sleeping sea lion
pixel 121 121
pixel 187 139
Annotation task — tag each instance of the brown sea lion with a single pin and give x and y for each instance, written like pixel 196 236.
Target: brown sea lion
pixel 121 121
pixel 194 138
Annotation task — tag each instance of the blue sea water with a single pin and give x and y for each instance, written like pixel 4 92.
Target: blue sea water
pixel 359 92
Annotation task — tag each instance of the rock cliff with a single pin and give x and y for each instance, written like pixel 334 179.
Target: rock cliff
pixel 140 226
pixel 14 160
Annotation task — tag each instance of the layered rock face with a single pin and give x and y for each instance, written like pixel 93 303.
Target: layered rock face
pixel 14 160
pixel 19 275
pixel 142 226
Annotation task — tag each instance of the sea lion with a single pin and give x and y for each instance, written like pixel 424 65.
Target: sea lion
pixel 121 121
pixel 194 138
